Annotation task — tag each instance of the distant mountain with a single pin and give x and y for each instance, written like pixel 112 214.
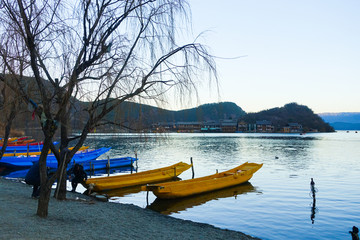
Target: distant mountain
pixel 345 126
pixel 346 117
pixel 212 111
pixel 142 116
pixel 145 115
pixel 290 113
pixel 342 120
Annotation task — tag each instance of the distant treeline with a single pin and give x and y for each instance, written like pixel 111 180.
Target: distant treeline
pixel 290 113
pixel 138 117
pixel 142 116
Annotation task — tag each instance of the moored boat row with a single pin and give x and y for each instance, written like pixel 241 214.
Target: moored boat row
pixel 87 158
pixel 147 180
pixel 51 161
pixel 120 181
pixel 175 189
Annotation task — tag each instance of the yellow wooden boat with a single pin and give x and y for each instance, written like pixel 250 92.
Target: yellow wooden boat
pixel 140 178
pixel 185 188
pixel 36 153
pixel 169 206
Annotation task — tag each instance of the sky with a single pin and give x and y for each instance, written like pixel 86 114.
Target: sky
pixel 306 52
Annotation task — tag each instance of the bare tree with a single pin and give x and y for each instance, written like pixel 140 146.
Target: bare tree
pixel 8 107
pixel 101 51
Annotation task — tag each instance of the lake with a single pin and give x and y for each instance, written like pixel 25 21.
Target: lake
pixel 277 203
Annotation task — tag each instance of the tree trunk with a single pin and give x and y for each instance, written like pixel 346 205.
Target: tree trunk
pixel 7 130
pixel 60 192
pixel 43 204
pixel 45 186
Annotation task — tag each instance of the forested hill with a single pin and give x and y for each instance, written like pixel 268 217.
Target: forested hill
pixel 144 115
pixel 290 113
pixel 139 116
pixel 149 114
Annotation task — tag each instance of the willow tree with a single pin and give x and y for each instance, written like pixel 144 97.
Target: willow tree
pixel 104 52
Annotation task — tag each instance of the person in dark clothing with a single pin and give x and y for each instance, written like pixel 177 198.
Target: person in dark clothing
pixel 77 175
pixel 354 233
pixel 33 178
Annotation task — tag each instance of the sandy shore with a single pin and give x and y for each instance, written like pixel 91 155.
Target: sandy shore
pixel 81 217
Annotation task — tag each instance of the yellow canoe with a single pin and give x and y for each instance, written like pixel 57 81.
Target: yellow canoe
pixel 185 188
pixel 36 153
pixel 169 206
pixel 140 178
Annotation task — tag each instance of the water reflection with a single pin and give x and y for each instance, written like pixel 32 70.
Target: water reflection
pixel 120 192
pixel 313 205
pixel 169 206
pixel 295 154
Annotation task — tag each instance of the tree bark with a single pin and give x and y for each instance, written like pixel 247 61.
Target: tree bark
pixel 43 204
pixel 45 184
pixel 60 191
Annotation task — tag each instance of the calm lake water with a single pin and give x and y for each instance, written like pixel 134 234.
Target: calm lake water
pixel 277 202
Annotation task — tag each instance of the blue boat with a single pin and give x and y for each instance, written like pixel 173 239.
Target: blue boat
pixel 16 173
pixel 107 163
pixel 24 149
pixel 27 162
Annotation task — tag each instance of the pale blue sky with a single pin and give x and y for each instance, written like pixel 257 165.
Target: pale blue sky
pixel 294 51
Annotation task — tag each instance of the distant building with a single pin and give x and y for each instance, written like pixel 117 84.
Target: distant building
pixel 211 126
pixel 264 126
pixel 225 126
pixel 251 127
pixel 295 127
pixel 228 126
pixel 163 127
pixel 188 127
pixel 242 127
pixel 286 129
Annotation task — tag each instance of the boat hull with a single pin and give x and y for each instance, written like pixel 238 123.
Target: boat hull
pixel 179 189
pixel 35 153
pixel 51 161
pixel 140 178
pixel 107 163
pixel 32 147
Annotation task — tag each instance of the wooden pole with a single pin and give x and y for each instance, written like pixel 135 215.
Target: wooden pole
pixel 131 166
pixel 192 167
pixel 136 159
pixel 61 175
pixel 108 163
